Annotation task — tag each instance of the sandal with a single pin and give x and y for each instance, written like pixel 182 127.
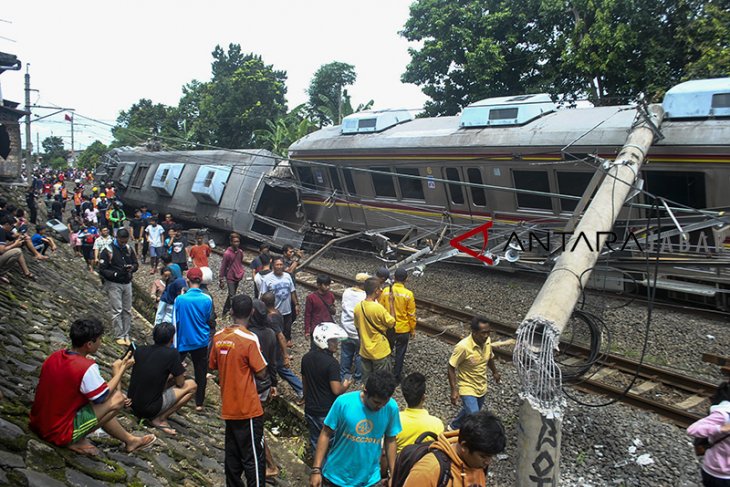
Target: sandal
pixel 87 450
pixel 147 440
pixel 4 279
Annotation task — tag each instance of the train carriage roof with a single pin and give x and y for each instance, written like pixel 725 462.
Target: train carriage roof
pixel 591 127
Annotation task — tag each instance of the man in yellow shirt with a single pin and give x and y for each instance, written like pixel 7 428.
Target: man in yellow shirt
pixel 415 420
pixel 372 322
pixel 468 370
pixel 401 303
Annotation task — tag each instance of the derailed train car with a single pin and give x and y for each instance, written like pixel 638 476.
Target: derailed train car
pixel 219 189
pixel 523 164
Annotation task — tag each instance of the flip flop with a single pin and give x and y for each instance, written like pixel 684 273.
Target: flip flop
pixel 148 440
pixel 167 429
pixel 87 450
pixel 4 279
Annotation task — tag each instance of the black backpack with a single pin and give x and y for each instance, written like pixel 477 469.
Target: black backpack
pixel 410 455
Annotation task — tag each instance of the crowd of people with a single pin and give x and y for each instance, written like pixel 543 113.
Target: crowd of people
pixel 357 435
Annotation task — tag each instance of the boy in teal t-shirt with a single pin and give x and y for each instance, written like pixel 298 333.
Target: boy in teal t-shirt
pixel 358 422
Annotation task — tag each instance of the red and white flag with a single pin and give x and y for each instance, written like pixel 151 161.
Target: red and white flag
pixel 68 117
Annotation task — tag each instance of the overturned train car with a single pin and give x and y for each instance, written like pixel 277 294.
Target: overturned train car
pixel 223 190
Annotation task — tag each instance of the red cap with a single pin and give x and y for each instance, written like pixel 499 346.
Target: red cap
pixel 195 274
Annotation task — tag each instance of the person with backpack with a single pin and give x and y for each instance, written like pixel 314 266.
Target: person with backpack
pixel 373 321
pixel 319 307
pixel 454 459
pixel 415 420
pixel 712 439
pixel 87 235
pixel 358 423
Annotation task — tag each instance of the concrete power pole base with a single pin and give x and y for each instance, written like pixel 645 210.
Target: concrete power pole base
pixel 538 448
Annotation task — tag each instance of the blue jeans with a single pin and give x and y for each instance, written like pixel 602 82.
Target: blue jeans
pixel 401 345
pixel 472 404
pixel 292 379
pixel 314 425
pixel 350 352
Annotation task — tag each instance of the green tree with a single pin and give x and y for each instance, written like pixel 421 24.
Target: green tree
pixel 58 163
pixel 606 50
pixel 53 149
pixel 327 94
pixel 280 134
pixel 242 95
pixel 91 156
pixel 145 120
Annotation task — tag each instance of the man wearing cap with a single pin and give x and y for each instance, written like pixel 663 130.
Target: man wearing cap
pixel 401 304
pixel 192 314
pixel 350 347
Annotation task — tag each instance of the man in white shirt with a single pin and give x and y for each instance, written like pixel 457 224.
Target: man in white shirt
pixel 350 348
pixel 155 233
pixel 104 242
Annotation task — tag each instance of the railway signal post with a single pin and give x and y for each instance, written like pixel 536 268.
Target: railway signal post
pixel 539 430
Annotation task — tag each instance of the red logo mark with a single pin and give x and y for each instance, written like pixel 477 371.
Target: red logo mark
pixel 484 230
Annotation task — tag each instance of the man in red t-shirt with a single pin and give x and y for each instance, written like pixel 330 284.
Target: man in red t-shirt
pixel 200 252
pixel 72 399
pixel 236 354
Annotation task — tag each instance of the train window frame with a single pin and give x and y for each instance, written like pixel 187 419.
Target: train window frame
pixel 383 182
pixel 525 201
pixel 565 204
pixel 335 181
pixel 455 185
pixel 306 182
pixel 349 181
pixel 208 179
pixel 165 173
pixel 411 184
pixel 139 175
pixel 476 193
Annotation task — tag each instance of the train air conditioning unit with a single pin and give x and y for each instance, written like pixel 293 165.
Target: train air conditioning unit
pixel 506 111
pixel 371 122
pixel 698 99
pixel 166 178
pixel 210 182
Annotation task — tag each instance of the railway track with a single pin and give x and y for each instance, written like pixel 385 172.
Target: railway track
pixel 679 398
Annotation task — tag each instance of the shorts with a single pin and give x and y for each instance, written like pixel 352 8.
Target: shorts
pixel 88 252
pixel 183 265
pixel 168 400
pixel 85 422
pixel 156 251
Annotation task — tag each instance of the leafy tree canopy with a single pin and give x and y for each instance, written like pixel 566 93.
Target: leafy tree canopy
pixel 145 120
pixel 53 149
pixel 91 156
pixel 327 93
pixel 284 131
pixel 606 50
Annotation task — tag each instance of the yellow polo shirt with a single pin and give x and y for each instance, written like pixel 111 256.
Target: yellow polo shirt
pixel 414 423
pixel 373 343
pixel 470 361
pixel 405 306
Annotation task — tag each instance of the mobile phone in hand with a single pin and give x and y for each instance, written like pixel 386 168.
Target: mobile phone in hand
pixel 131 348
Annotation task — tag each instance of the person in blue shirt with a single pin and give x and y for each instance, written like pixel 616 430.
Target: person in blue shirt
pixel 358 422
pixel 175 284
pixel 41 241
pixel 192 314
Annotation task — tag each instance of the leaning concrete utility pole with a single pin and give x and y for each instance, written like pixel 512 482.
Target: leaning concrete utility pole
pixel 28 141
pixel 539 430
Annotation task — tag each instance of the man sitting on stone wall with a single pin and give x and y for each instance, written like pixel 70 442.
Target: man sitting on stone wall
pixel 10 248
pixel 72 399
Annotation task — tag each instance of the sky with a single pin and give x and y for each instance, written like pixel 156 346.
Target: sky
pixel 101 57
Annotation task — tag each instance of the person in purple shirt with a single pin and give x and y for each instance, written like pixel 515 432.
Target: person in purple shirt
pixel 232 269
pixel 715 428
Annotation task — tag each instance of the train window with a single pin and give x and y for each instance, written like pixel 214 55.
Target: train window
pixel 140 173
pixel 349 182
pixel 533 181
pixel 502 113
pixel 306 177
pixel 457 194
pixel 335 179
pixel 685 188
pixel 410 188
pixel 478 196
pixel 209 179
pixel 165 172
pixel 721 100
pixel 383 183
pixel 573 184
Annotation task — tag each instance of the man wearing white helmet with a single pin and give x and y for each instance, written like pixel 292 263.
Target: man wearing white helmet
pixel 321 377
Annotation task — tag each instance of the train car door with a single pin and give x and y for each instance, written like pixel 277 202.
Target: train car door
pixel 477 199
pixel 351 209
pixel 457 201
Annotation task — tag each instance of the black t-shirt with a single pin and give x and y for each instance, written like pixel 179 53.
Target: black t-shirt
pixel 153 364
pixel 137 225
pixel 319 368
pixel 4 237
pixel 269 345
